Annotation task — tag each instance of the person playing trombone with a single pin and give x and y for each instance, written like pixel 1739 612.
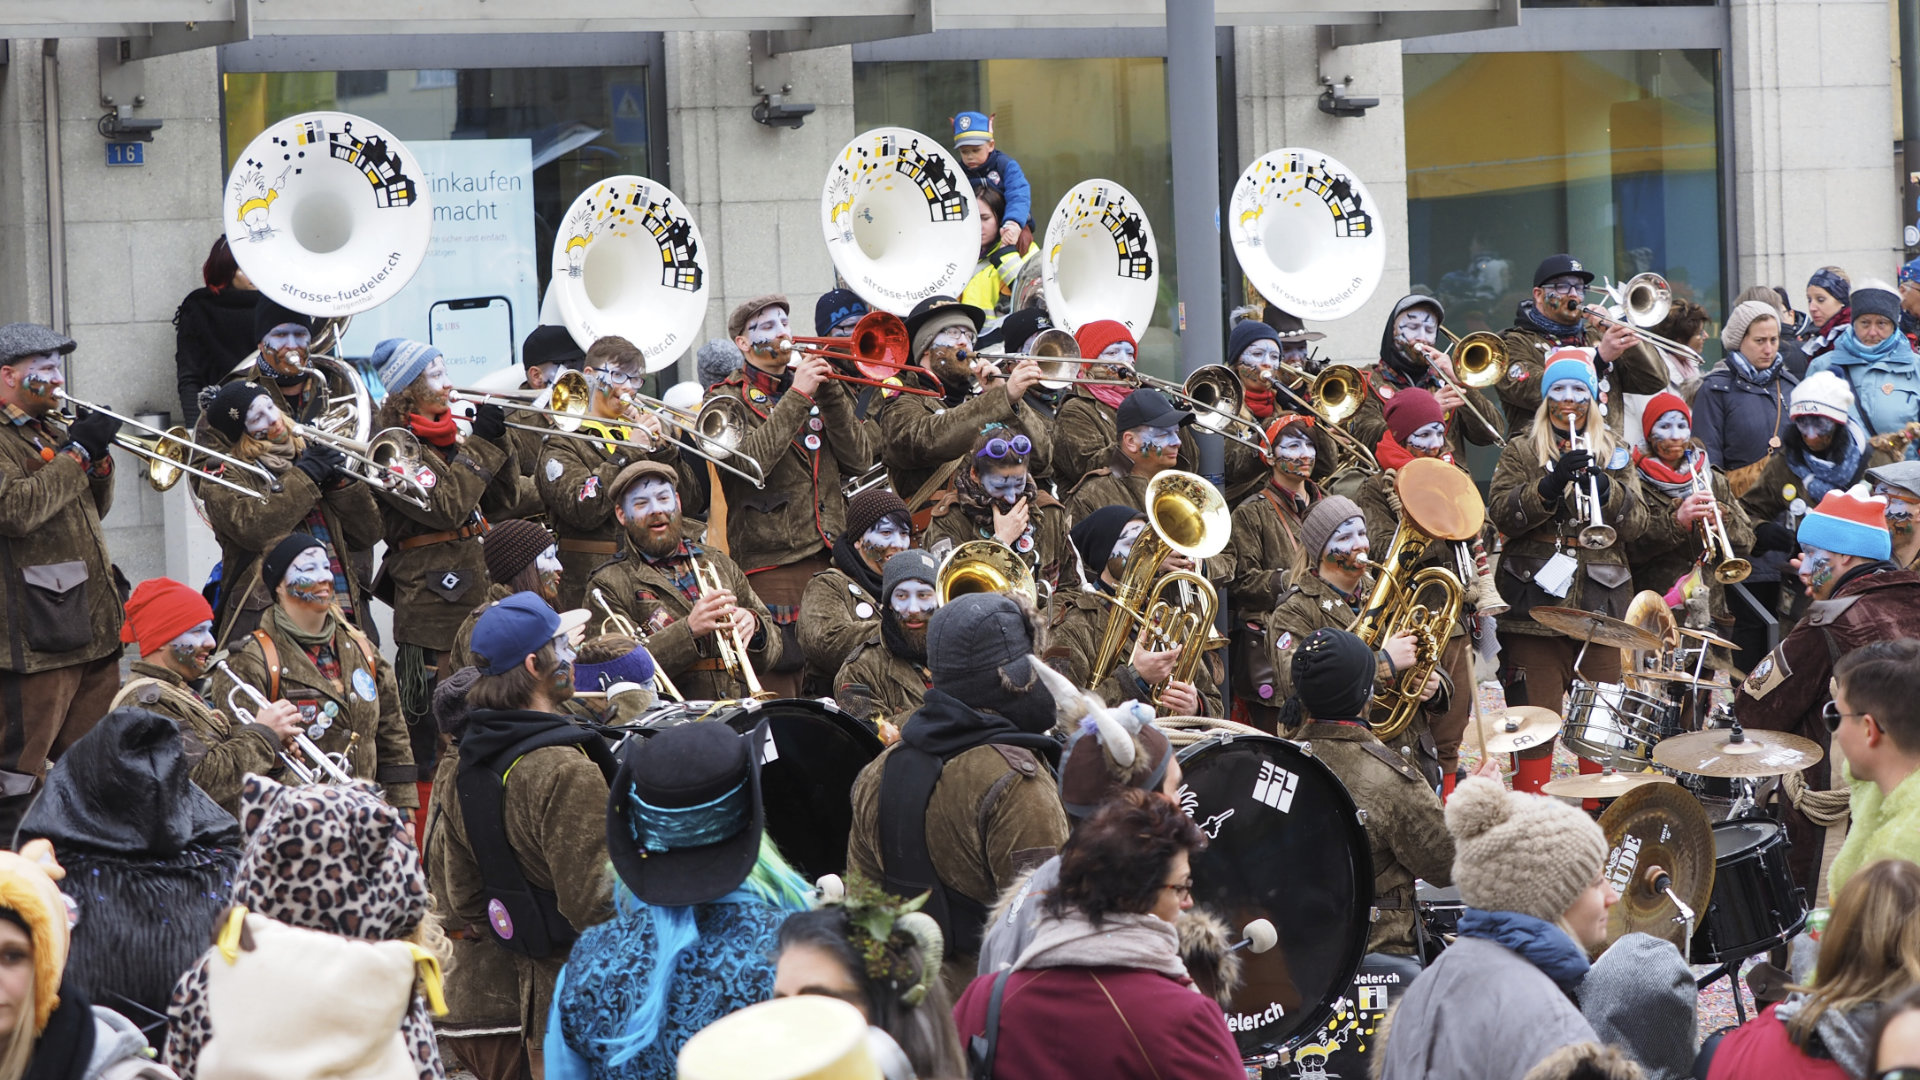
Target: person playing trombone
pixel 1555 317
pixel 1410 357
pixel 546 353
pixel 306 654
pixel 1085 435
pixel 312 491
pixel 172 626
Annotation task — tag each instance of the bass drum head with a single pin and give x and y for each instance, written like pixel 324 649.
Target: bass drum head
pixel 807 768
pixel 1285 844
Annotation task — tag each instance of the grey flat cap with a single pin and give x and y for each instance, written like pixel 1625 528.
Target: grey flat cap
pixel 21 339
pixel 1904 475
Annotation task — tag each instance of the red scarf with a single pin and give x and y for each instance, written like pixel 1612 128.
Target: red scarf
pixel 1110 396
pixel 441 432
pixel 1660 470
pixel 1259 401
pixel 1392 455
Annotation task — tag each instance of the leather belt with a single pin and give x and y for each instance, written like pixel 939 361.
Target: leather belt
pixel 711 663
pixel 591 547
pixel 1394 903
pixel 478 528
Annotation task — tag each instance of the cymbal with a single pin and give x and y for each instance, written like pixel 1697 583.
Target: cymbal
pixel 1652 829
pixel 1520 727
pixel 1590 626
pixel 1602 785
pixel 1709 638
pixel 1759 753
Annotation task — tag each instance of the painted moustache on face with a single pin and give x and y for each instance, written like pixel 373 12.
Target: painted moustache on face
pixel 1415 326
pixel 193 649
pixel 1347 548
pixel 1670 436
pixel 914 602
pixel 547 565
pixel 1569 401
pixel 309 579
pixel 1899 510
pixel 284 349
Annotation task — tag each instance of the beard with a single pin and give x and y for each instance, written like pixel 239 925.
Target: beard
pixel 947 364
pixel 908 643
pixel 657 544
pixel 285 365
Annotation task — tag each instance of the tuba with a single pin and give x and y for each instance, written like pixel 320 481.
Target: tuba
pixel 1307 233
pixel 1099 260
pixel 984 566
pixel 899 219
pixel 628 261
pixel 1440 503
pixel 1185 516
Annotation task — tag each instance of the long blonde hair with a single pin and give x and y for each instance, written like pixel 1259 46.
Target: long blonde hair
pixel 17 1053
pixel 1545 445
pixel 1870 950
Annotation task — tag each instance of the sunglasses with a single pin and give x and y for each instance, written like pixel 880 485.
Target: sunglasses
pixel 1832 715
pixel 997 447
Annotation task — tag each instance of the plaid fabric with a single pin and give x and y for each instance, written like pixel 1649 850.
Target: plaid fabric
pixel 784 614
pixel 679 567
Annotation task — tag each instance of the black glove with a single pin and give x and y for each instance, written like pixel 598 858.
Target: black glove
pixel 1571 464
pixel 1602 485
pixel 320 461
pixel 490 422
pixel 93 433
pixel 1773 536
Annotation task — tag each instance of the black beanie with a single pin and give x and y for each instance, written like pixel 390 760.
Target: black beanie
pixel 267 315
pixel 551 345
pixel 273 568
pixel 980 649
pixel 1094 535
pixel 1244 333
pixel 1874 300
pixel 1333 675
pixel 227 412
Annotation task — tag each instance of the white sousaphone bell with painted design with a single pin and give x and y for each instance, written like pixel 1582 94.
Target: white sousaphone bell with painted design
pixel 899 219
pixel 1307 233
pixel 1099 259
pixel 629 261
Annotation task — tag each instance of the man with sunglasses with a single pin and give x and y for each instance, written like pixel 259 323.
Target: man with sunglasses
pixel 1858 598
pixel 994 497
pixel 1872 718
pixel 1552 319
pixel 1899 484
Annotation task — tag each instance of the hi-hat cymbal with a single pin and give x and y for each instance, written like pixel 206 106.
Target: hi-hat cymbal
pixel 1602 785
pixel 1520 727
pixel 1590 626
pixel 1709 638
pixel 1757 753
pixel 1652 831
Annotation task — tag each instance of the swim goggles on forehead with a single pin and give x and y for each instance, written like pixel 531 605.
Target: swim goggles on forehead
pixel 998 447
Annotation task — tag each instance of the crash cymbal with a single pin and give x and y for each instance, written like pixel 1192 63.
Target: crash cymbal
pixel 1709 638
pixel 1657 834
pixel 1715 752
pixel 1520 727
pixel 1599 629
pixel 1602 785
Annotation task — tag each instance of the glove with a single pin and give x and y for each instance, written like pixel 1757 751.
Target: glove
pixel 1603 484
pixel 1773 536
pixel 490 422
pixel 320 461
pixel 1571 464
pixel 93 433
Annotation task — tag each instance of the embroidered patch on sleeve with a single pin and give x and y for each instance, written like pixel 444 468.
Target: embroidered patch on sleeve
pixel 1771 671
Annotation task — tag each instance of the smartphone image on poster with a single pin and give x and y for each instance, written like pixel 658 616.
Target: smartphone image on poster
pixel 475 334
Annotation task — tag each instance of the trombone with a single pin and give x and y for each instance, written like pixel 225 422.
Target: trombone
pixel 878 349
pixel 1479 358
pixel 616 623
pixel 1596 534
pixel 1641 302
pixel 312 761
pixel 1728 568
pixel 1333 396
pixel 733 651
pixel 169 454
pixel 389 461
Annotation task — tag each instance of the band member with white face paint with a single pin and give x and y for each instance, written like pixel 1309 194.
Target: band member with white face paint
pixel 1085 436
pixel 1412 356
pixel 521 556
pixel 801 432
pixel 1553 319
pixel 313 492
pixel 547 353
pixel 283 361
pixel 843 603
pixel 58 586
pixel 1150 432
pixel 343 690
pixel 1020 333
pixel 1538 499
pixel 1677 520
pixel 172 627
pixel 887 678
pixel 1260 557
pixel 995 498
pixel 1899 484
pixel 652 581
pixel 1078 620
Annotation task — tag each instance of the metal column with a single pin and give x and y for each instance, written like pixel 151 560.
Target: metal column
pixel 1193 114
pixel 1909 107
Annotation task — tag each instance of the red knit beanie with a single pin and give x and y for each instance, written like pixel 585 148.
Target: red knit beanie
pixel 1095 336
pixel 160 610
pixel 1410 410
pixel 1660 405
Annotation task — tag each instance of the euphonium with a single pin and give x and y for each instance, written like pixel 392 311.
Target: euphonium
pixel 1439 502
pixel 1185 516
pixel 983 566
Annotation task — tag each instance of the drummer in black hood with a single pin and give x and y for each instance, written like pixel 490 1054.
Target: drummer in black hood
pixel 1409 352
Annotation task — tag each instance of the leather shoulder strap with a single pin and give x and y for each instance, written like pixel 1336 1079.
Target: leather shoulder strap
pixel 366 649
pixel 270 654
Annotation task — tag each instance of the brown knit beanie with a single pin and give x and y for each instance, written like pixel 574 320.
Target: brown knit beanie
pixel 511 547
pixel 867 508
pixel 1322 520
pixel 1517 852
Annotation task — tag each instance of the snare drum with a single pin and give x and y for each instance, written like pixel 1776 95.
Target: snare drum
pixel 1607 722
pixel 1756 906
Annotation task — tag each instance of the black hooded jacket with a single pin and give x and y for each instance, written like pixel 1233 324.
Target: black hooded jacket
pixel 213 332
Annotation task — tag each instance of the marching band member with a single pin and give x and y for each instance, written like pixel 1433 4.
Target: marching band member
pixel 1084 436
pixel 837 312
pixel 1670 546
pixel 804 437
pixel 654 582
pixel 173 627
pixel 886 677
pixel 1824 450
pixel 995 498
pixel 546 354
pixel 1266 526
pixel 1899 484
pixel 62 613
pixel 843 604
pixel 1019 333
pixel 305 653
pixel 1535 499
pixel 282 363
pixel 1409 357
pixel 1256 351
pixel 1079 619
pixel 924 439
pixel 316 494
pixel 1148 438
pixel 1296 341
pixel 521 557
pixel 1553 320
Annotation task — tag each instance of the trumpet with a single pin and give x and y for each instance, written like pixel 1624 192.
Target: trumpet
pixel 616 623
pixel 1479 358
pixel 313 762
pixel 733 651
pixel 390 461
pixel 1596 534
pixel 1728 568
pixel 1642 301
pixel 169 453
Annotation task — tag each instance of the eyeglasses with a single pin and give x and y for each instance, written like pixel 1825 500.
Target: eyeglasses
pixel 998 448
pixel 1832 715
pixel 1564 288
pixel 1184 890
pixel 618 376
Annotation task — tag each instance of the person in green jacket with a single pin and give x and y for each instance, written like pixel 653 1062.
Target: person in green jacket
pixel 1873 724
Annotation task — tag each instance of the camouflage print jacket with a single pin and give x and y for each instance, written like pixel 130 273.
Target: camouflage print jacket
pixel 220 752
pixel 1078 620
pixel 1309 604
pixel 1535 531
pixel 838 614
pixel 1048 550
pixel 575 478
pixel 644 591
pixel 433 562
pixel 463 637
pixel 527 445
pixel 920 435
pixel 877 685
pixel 805 448
pixel 1638 371
pixel 57 584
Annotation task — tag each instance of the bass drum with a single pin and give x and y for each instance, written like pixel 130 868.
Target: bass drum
pixel 1285 844
pixel 807 769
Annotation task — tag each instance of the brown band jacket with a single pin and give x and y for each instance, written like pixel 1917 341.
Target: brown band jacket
pixel 837 614
pixel 1664 552
pixel 642 591
pixel 1078 620
pixel 919 434
pixel 1048 549
pixel 804 447
pixel 1535 531
pixel 575 481
pixel 433 561
pixel 56 578
pixel 876 684
pixel 220 752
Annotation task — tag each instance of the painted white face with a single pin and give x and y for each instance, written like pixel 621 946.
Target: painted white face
pixel 1120 353
pixel 1262 356
pixel 1672 425
pixel 1296 353
pixel 548 561
pixel 1428 438
pixel 1817 569
pixel 915 602
pixel 1416 324
pixel 1159 440
pixel 889 534
pixel 767 327
pixel 43 374
pixel 261 417
pixel 1128 534
pixel 1347 548
pixel 956 337
pixel 194 648
pixel 1568 391
pixel 1900 507
pixel 288 336
pixel 1295 455
pixel 434 380
pixel 648 497
pixel 309 579
pixel 1006 485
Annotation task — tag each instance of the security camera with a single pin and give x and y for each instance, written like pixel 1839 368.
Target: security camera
pixel 1335 102
pixel 774 111
pixel 113 126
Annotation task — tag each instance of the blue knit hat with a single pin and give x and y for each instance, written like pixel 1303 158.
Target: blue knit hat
pixel 1849 523
pixel 835 305
pixel 400 361
pixel 1573 363
pixel 635 667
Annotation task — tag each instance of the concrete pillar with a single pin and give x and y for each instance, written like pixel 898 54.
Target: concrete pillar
pixel 1277 69
pixel 754 190
pixel 1812 117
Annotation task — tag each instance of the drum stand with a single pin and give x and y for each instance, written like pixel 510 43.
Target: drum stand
pixel 1730 971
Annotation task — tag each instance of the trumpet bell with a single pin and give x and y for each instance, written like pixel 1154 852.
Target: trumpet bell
pixel 396 450
pixel 1307 233
pixel 1054 348
pixel 1480 359
pixel 570 394
pixel 880 345
pixel 1338 392
pixel 1099 260
pixel 1732 571
pixel 628 261
pixel 983 566
pixel 1189 514
pixel 899 219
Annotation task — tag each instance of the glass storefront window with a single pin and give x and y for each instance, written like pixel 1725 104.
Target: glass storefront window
pixel 1064 121
pixel 1612 156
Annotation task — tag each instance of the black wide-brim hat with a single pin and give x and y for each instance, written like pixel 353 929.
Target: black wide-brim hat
pixel 937 305
pixel 687 766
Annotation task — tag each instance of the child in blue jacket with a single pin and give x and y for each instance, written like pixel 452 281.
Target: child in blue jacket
pixel 973 145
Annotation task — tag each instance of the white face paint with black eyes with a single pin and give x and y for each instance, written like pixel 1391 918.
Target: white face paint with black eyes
pixel 1416 324
pixel 1128 533
pixel 261 416
pixel 1295 454
pixel 1120 352
pixel 914 602
pixel 650 496
pixel 1347 548
pixel 1006 485
pixel 1156 440
pixel 548 561
pixel 767 327
pixel 288 336
pixel 1428 438
pixel 1672 425
pixel 890 533
pixel 1569 391
pixel 1263 354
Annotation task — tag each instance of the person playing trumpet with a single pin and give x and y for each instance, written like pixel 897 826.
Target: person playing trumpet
pixel 1555 318
pixel 994 497
pixel 804 438
pixel 844 604
pixel 1410 357
pixel 315 494
pixel 655 581
pixel 886 676
pixel 306 654
pixel 173 628
pixel 1679 518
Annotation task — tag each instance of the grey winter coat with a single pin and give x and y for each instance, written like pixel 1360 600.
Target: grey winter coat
pixel 1640 996
pixel 1481 1012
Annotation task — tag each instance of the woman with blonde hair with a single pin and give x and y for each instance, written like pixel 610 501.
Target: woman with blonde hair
pixel 1539 499
pixel 1869 954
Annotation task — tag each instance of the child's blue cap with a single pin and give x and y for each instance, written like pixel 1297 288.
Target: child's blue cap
pixel 972 127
